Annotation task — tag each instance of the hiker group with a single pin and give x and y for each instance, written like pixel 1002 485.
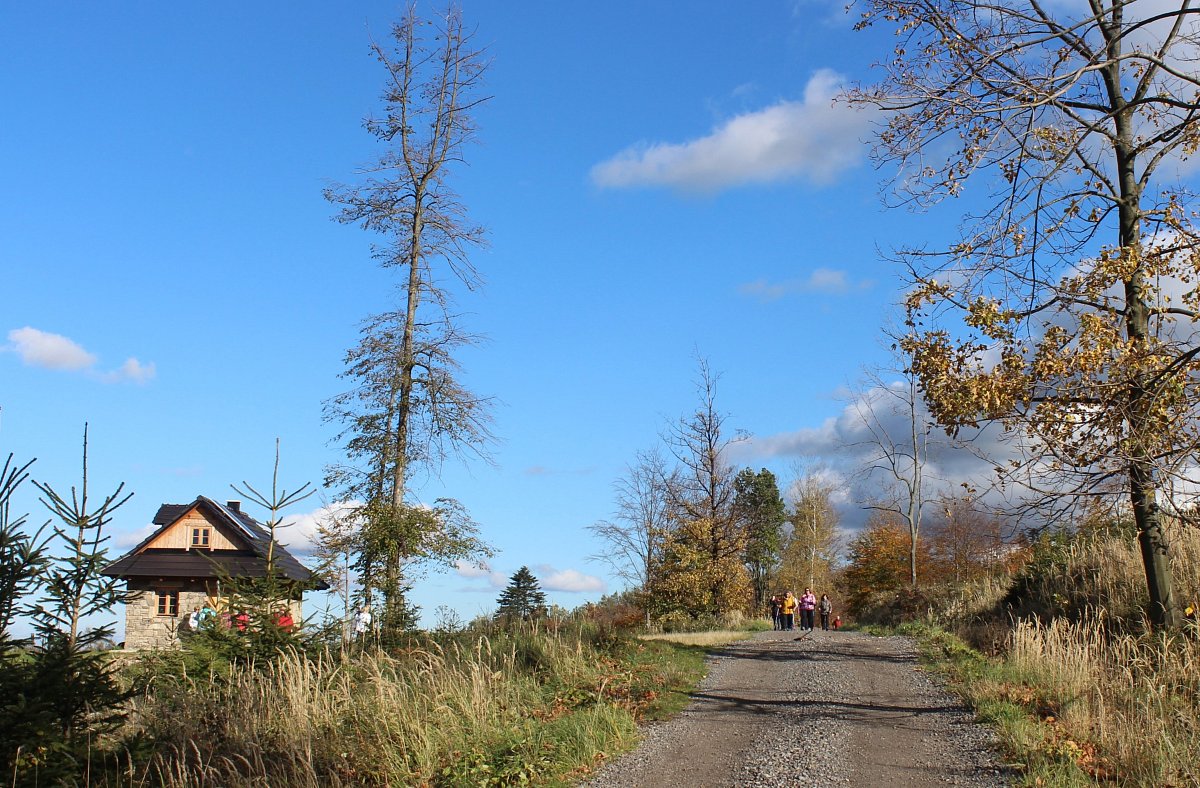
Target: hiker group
pixel 784 607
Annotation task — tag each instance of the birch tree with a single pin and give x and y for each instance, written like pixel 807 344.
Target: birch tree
pixel 1067 307
pixel 811 548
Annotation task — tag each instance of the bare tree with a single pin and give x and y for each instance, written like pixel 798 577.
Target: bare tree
pixel 1068 307
pixel 408 407
pixel 897 451
pixel 964 539
pixel 633 537
pixel 707 534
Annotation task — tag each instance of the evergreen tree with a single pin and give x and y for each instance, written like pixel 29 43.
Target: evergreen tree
pixel 72 683
pixel 523 599
pixel 27 720
pixel 760 508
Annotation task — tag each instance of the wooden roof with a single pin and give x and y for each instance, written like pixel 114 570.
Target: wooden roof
pixel 250 537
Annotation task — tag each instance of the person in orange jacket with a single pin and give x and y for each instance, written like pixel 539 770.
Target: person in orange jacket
pixel 789 611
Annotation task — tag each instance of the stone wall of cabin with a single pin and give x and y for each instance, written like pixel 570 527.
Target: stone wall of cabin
pixel 145 629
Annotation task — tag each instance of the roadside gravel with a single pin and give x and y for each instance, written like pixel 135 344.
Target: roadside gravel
pixel 813 709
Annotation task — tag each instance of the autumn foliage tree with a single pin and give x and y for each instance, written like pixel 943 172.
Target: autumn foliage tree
pixel 877 560
pixel 702 566
pixel 1067 309
pixel 690 579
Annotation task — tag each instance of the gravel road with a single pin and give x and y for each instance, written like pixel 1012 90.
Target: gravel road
pixel 813 709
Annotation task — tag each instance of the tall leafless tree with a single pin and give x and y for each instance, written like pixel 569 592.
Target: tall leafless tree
pixel 895 449
pixel 408 406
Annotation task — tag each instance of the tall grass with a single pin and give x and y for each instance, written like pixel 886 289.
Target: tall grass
pixel 1129 704
pixel 716 638
pixel 501 710
pixel 1100 694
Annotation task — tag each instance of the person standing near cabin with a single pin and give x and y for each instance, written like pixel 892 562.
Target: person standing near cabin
pixel 808 603
pixel 362 622
pixel 826 608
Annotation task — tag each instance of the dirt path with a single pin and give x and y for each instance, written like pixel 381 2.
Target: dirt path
pixel 819 709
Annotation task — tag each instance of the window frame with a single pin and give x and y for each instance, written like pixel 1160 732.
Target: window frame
pixel 166 603
pixel 201 537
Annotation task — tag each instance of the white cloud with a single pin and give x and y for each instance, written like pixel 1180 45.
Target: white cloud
pixel 844 446
pixel 53 351
pixel 481 570
pixel 568 580
pixel 124 541
pixel 814 139
pixel 136 371
pixel 826 281
pixel 50 351
pixel 298 532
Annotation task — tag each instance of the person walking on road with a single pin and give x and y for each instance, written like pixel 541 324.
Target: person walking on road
pixel 808 603
pixel 826 608
pixel 776 613
pixel 789 611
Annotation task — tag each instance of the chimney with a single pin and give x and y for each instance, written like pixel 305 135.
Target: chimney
pixel 234 506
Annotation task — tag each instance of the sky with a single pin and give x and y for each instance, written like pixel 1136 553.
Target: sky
pixel 658 186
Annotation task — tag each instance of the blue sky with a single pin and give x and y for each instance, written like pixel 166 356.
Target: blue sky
pixel 656 185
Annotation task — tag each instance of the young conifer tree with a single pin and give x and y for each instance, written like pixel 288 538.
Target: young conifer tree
pixel 72 676
pixel 27 720
pixel 523 599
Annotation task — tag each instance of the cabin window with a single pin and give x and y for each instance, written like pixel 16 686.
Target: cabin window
pixel 168 603
pixel 200 537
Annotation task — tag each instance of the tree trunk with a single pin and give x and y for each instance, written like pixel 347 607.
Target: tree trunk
pixel 1143 484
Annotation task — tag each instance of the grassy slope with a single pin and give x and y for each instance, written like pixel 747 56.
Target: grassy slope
pixel 1079 692
pixel 505 709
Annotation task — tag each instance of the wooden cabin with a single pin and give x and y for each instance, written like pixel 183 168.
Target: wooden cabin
pixel 181 566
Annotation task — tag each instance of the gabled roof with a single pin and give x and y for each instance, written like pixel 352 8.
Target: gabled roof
pixel 155 562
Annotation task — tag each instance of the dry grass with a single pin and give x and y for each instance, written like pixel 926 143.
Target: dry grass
pixel 1130 704
pixel 475 715
pixel 702 639
pixel 1121 704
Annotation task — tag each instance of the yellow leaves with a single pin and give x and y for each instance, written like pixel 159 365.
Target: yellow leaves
pixel 958 388
pixel 927 292
pixel 985 314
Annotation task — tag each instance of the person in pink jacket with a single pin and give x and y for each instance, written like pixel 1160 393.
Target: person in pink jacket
pixel 808 604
